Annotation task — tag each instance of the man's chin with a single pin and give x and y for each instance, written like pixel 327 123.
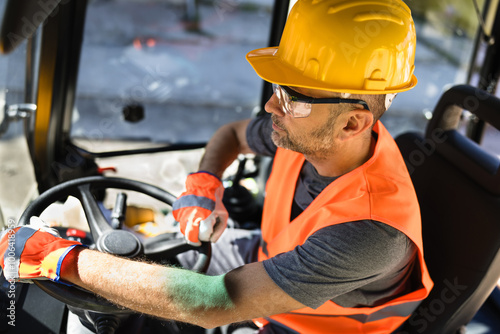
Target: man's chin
pixel 279 140
pixel 276 138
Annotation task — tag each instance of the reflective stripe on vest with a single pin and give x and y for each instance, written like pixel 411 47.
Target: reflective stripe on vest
pixel 379 190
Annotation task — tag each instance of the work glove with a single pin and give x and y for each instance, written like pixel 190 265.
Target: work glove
pixel 34 251
pixel 199 210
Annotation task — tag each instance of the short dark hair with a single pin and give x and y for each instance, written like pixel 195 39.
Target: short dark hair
pixel 376 103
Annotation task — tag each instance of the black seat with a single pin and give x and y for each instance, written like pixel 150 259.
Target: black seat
pixel 458 188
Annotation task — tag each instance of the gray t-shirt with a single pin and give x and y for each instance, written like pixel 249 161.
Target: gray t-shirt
pixel 355 264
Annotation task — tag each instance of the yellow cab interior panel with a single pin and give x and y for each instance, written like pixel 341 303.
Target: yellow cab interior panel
pixel 133 90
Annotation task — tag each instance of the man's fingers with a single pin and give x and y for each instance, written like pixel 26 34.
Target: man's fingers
pixel 219 228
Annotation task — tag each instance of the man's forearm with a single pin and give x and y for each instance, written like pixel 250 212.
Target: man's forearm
pixel 243 293
pixel 224 147
pixel 161 291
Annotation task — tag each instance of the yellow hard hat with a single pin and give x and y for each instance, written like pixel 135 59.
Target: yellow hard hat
pixel 355 46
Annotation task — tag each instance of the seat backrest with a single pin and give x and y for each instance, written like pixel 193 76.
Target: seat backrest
pixel 458 188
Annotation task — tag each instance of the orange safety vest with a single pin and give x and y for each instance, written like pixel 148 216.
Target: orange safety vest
pixel 379 190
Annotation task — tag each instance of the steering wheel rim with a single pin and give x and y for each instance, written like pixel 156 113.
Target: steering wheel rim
pixel 82 189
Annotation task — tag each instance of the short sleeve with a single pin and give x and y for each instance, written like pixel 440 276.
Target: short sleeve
pixel 357 263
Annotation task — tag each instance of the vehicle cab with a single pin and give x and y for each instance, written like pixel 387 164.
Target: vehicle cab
pixel 134 89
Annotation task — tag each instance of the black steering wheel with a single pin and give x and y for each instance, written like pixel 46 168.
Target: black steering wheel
pixel 107 239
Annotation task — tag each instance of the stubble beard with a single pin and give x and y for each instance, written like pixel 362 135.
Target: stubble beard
pixel 317 144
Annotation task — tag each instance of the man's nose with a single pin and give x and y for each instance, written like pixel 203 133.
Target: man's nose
pixel 273 106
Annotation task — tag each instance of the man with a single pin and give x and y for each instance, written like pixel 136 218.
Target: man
pixel 341 249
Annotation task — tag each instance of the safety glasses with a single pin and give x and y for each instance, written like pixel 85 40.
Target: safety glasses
pixel 298 105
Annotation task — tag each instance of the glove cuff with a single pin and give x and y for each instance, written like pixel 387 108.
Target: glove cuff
pixel 202 183
pixel 207 172
pixel 52 264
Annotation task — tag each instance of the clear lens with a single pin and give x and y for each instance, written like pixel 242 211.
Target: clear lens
pixel 294 108
pixel 301 109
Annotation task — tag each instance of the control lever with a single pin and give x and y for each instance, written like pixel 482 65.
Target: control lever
pixel 119 210
pixel 239 202
pixel 240 171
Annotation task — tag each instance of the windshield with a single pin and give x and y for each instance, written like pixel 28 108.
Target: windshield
pixel 165 72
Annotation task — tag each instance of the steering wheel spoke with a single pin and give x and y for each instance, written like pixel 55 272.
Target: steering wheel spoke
pixel 97 222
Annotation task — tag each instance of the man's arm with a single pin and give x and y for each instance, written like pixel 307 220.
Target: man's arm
pixel 178 294
pixel 224 147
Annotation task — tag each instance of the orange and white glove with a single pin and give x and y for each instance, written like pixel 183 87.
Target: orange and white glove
pixel 33 251
pixel 199 210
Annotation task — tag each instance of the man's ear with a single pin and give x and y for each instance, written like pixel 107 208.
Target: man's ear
pixel 355 122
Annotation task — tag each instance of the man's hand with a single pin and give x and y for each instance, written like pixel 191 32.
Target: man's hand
pixel 33 251
pixel 199 209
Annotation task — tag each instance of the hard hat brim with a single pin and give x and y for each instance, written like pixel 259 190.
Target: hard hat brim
pixel 270 67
